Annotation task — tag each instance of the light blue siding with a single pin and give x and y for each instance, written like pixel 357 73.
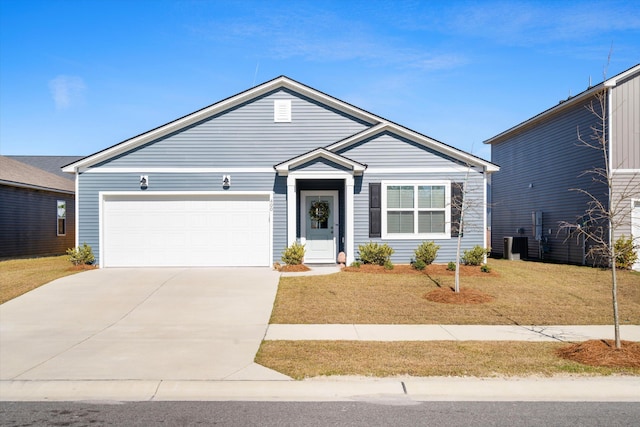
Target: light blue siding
pixel 247 136
pixel 320 165
pixel 404 249
pixel 246 139
pixel 390 151
pixel 93 183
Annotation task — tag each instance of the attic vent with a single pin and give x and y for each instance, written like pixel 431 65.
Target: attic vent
pixel 282 110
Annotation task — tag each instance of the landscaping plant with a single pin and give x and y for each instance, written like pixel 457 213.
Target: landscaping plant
pixel 626 254
pixel 81 255
pixel 294 254
pixel 374 253
pixel 474 256
pixel 427 252
pixel 418 264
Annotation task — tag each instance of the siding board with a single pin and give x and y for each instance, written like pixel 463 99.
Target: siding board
pixel 541 168
pixel 246 136
pixel 28 222
pixel 625 111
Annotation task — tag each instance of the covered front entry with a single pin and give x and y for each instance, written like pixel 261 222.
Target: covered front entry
pixel 311 198
pixel 328 179
pixel 320 225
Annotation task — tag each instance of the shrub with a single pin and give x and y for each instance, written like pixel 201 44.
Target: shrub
pixel 485 268
pixel 474 256
pixel 81 255
pixel 374 253
pixel 626 253
pixel 419 265
pixel 294 254
pixel 427 252
pixel 356 264
pixel 451 266
pixel 388 265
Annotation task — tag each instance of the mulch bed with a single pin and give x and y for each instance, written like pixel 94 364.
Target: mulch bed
pixel 603 353
pixel 465 296
pixel 430 270
pixel 292 268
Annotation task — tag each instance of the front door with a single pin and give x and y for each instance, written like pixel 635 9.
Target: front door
pixel 319 225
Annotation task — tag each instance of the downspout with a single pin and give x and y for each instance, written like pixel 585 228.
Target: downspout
pixel 77 207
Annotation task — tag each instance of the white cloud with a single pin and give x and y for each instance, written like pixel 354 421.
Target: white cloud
pixel 67 91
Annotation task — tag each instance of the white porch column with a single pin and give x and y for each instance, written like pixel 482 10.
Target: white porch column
pixel 291 210
pixel 349 244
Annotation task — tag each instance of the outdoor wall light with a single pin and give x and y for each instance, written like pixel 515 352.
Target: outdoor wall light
pixel 144 181
pixel 226 181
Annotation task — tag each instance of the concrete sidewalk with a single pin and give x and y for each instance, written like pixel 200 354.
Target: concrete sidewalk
pixel 389 391
pixel 358 332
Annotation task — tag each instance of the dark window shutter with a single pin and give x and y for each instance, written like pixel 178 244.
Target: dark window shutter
pixel 457 195
pixel 375 209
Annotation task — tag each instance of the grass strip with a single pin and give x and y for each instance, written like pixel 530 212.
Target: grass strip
pixel 305 359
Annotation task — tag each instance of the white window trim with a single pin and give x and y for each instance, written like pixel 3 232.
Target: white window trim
pixel 416 236
pixel 58 218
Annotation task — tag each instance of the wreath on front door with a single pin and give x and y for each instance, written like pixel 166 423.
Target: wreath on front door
pixel 319 211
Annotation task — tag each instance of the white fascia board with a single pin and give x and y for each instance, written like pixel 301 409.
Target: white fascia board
pixel 129 169
pixel 416 137
pixel 215 109
pixel 367 133
pixel 170 127
pixel 613 81
pixel 329 100
pixel 357 168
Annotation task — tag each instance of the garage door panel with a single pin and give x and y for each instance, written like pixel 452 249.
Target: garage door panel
pixel 181 231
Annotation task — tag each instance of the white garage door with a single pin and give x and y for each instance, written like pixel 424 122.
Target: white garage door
pixel 186 230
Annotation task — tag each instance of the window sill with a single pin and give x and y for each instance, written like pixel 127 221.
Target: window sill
pixel 431 236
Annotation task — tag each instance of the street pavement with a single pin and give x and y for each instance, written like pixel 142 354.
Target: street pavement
pixel 192 334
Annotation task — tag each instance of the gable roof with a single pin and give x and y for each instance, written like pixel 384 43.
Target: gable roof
pixel 18 174
pixel 320 153
pixel 562 105
pixel 282 82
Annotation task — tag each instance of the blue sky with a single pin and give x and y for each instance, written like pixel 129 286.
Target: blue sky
pixel 79 76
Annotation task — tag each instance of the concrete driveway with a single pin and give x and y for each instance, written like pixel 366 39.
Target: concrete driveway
pixel 140 324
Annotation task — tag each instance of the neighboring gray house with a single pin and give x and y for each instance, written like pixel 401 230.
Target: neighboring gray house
pixel 37 210
pixel 51 164
pixel 237 182
pixel 541 160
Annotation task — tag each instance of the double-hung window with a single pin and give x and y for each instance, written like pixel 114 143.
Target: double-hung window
pixel 416 210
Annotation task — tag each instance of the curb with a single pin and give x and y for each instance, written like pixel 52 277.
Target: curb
pixel 397 391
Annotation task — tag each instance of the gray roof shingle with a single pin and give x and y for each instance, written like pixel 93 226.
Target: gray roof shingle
pixel 15 173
